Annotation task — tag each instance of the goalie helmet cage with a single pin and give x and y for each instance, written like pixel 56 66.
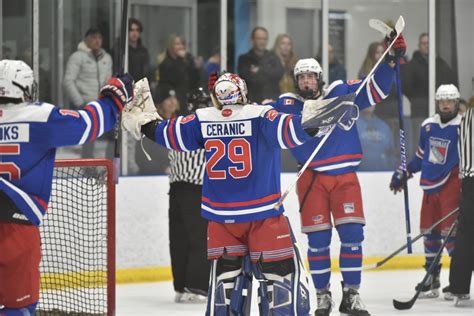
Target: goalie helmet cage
pixel 78 241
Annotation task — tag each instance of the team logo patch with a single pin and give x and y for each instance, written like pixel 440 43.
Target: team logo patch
pixel 188 118
pixel 438 150
pixel 288 102
pixel 318 219
pixel 69 112
pixel 226 112
pixel 353 81
pixel 349 208
pixel 272 114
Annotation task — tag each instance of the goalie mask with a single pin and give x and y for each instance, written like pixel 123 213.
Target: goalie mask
pixel 305 66
pixel 17 81
pixel 447 110
pixel 229 89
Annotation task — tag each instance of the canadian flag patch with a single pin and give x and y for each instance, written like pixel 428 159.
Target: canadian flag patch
pixel 288 102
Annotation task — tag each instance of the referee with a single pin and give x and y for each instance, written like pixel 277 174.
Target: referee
pixel 187 229
pixel 462 261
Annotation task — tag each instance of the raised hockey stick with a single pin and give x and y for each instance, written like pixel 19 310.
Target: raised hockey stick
pixel 409 304
pixel 121 63
pixel 400 25
pixel 388 31
pixel 396 252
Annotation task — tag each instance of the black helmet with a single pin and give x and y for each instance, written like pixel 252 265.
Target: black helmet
pixel 197 99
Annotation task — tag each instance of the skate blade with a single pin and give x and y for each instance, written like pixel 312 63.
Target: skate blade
pixel 449 297
pixel 464 303
pixel 429 294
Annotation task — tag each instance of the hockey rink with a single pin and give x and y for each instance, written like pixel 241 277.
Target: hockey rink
pixel 378 290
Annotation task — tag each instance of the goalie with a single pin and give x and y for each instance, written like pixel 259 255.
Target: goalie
pixel 241 186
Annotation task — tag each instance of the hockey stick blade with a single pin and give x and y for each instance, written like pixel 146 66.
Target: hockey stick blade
pixel 380 26
pixel 409 304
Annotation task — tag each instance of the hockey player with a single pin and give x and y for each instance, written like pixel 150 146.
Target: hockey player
pixel 30 132
pixel 437 159
pixel 241 186
pixel 330 185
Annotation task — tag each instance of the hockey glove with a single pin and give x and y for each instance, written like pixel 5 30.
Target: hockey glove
pixel 119 89
pixel 397 182
pixel 398 49
pixel 133 120
pixel 142 97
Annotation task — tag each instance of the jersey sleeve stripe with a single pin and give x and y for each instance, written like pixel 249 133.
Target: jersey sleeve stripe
pixel 369 94
pixel 171 134
pixel 165 135
pixel 374 93
pixel 293 133
pixel 87 120
pixel 287 136
pixel 95 124
pixel 100 112
pixel 377 88
pixel 178 134
pixel 279 131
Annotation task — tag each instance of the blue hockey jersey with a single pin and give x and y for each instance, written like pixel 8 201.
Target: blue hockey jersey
pixel 29 136
pixel 342 151
pixel 242 143
pixel 437 153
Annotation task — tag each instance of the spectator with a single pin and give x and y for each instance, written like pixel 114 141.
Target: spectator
pixel 415 78
pixel 177 70
pixel 260 68
pixel 374 52
pixel 213 64
pixel 87 70
pixel 138 57
pixel 336 69
pixel 283 49
pixel 377 142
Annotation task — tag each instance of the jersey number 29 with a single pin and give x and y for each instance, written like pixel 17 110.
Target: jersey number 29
pixel 238 152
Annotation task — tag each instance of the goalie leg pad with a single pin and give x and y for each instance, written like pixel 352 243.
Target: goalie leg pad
pixel 229 287
pixel 280 292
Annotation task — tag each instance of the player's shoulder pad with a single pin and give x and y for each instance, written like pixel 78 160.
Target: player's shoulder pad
pixel 435 119
pixel 336 88
pixel 34 112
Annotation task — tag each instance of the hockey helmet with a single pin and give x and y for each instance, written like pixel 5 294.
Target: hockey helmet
pixel 230 89
pixel 198 99
pixel 17 80
pixel 308 65
pixel 447 92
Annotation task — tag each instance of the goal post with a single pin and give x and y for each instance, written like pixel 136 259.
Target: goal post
pixel 78 241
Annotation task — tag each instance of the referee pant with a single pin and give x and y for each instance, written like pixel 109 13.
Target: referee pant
pixel 462 261
pixel 188 238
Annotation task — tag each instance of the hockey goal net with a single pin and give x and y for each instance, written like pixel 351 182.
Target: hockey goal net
pixel 78 241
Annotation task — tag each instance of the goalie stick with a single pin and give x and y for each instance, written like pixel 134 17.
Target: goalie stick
pixel 399 26
pixel 396 252
pixel 389 32
pixel 409 304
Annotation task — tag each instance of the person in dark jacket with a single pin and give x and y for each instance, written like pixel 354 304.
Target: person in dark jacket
pixel 260 68
pixel 138 57
pixel 415 78
pixel 177 70
pixel 336 69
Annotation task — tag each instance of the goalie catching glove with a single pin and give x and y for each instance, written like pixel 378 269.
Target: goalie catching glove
pixel 141 111
pixel 119 89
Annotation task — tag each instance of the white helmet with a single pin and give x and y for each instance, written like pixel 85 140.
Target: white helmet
pixel 17 80
pixel 307 65
pixel 447 92
pixel 230 89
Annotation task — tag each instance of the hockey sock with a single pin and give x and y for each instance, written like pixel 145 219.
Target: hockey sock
pixel 22 311
pixel 432 243
pixel 319 258
pixel 350 258
pixel 450 245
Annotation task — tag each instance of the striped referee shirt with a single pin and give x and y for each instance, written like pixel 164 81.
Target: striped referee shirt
pixel 466 150
pixel 187 166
